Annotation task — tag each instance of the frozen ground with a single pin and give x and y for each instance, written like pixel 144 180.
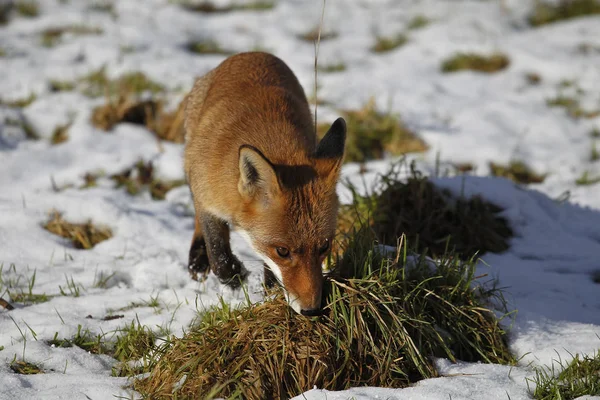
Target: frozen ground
pixel 465 117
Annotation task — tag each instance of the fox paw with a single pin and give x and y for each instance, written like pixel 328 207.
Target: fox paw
pixel 198 264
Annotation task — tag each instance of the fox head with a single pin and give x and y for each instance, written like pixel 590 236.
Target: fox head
pixel 289 215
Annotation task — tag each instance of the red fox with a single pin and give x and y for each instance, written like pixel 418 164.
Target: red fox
pixel 253 164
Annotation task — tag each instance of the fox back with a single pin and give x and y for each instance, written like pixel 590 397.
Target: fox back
pixel 253 162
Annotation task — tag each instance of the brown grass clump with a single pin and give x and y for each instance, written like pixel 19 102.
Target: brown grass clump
pixel 432 219
pixel 150 113
pixel 517 171
pixel 140 177
pixel 208 7
pixel 476 62
pixel 372 134
pixel 383 324
pixel 546 12
pixel 82 236
pixel 383 44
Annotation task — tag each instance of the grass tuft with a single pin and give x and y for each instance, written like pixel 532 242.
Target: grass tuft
pixel 56 85
pixel 149 113
pixel 52 36
pixel 98 84
pixel 383 44
pixel 60 134
pixel 207 46
pixel 209 7
pixel 140 177
pixel 25 368
pixel 476 62
pixel 572 106
pixel 19 103
pixel 384 321
pixel 432 219
pixel 516 171
pixel 313 35
pixel 372 134
pixel 330 68
pixel 546 13
pixel 28 8
pixel 585 179
pixel 82 236
pixel 418 22
pixel 83 339
pixel 580 377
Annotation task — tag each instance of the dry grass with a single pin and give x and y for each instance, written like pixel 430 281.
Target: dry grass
pixel 19 103
pixel 140 177
pixel 433 220
pixel 82 236
pixel 209 7
pixel 313 35
pixel 372 134
pixel 572 106
pixel 546 12
pixel 383 44
pixel 207 46
pixel 97 83
pixel 476 62
pixel 60 134
pixel 28 8
pixel 516 171
pixel 52 36
pixel 382 325
pixel 25 368
pixel 149 113
pixel 334 67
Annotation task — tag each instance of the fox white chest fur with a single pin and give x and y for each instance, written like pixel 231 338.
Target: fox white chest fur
pixel 254 163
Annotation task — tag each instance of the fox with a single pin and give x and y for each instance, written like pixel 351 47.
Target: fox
pixel 254 164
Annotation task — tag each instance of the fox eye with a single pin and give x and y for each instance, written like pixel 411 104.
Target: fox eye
pixel 324 247
pixel 283 252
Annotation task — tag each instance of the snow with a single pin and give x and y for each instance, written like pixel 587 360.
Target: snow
pixel 464 117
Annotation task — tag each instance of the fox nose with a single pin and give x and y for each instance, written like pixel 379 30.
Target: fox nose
pixel 312 312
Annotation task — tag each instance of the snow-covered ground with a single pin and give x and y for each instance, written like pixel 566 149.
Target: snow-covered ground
pixel 465 117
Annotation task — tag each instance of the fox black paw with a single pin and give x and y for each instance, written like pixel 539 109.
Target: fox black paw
pixel 198 265
pixel 231 272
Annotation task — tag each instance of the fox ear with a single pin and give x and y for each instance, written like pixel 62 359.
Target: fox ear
pixel 257 176
pixel 330 150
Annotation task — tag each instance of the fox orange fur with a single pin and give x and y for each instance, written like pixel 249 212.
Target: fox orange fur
pixel 253 163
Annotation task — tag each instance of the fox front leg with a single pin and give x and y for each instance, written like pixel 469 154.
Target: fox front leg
pixel 198 264
pixel 223 263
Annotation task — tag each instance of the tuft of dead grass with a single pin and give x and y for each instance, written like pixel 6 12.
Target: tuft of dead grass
pixel 572 106
pixel 372 134
pixel 28 8
pixel 97 83
pixel 82 236
pixel 383 44
pixel 517 171
pixel 60 134
pixel 50 37
pixel 545 12
pixel 385 320
pixel 140 177
pixel 208 7
pixel 432 219
pixel 25 368
pixel 313 34
pixel 149 113
pixel 476 62
pixel 207 46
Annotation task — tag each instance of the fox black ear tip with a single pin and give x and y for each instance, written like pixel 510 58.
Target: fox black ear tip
pixel 340 123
